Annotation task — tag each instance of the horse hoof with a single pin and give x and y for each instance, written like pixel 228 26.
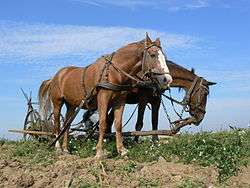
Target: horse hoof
pixel 100 155
pixel 59 151
pixel 65 152
pixel 155 139
pixel 124 152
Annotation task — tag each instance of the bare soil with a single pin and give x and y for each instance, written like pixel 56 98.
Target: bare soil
pixel 72 171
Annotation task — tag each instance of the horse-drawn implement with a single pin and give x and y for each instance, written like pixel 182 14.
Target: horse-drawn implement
pixel 35 127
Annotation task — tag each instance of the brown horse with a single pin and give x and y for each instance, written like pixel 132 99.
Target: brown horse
pixel 197 89
pixel 104 85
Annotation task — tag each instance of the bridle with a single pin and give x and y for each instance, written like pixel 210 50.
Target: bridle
pixel 147 70
pixel 192 91
pixel 197 87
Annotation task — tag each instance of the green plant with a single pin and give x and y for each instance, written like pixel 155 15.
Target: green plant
pixel 129 167
pixel 83 149
pixel 88 185
pixel 145 182
pixel 33 152
pixel 191 184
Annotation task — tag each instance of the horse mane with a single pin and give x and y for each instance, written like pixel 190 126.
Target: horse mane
pixel 136 43
pixel 126 48
pixel 180 67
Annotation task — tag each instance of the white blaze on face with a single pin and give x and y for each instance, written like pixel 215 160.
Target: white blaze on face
pixel 164 66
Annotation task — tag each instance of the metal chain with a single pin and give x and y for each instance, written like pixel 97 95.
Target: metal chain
pixel 177 113
pixel 172 103
pixel 168 116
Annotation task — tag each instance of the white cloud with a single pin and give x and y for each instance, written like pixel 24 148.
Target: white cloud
pixel 167 5
pixel 159 4
pixel 33 41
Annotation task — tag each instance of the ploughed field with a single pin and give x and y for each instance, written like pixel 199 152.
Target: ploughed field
pixel 219 159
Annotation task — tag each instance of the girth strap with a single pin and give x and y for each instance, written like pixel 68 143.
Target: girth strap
pixel 83 80
pixel 114 87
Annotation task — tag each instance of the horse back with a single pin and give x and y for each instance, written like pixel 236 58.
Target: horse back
pixel 73 83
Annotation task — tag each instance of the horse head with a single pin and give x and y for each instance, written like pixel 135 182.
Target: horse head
pixel 196 99
pixel 154 63
pixel 197 90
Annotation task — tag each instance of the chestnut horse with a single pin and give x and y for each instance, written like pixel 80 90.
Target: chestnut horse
pixel 197 89
pixel 104 85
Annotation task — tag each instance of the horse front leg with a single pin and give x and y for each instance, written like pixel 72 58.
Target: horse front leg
pixel 139 123
pixel 118 111
pixel 103 99
pixel 155 115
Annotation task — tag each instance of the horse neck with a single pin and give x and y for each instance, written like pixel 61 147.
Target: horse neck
pixel 127 58
pixel 181 78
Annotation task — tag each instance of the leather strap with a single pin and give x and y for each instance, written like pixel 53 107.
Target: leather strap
pixel 114 87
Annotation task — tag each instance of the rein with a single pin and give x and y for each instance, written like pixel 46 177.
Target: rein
pixel 109 62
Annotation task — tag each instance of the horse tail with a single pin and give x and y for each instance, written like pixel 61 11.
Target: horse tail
pixel 45 104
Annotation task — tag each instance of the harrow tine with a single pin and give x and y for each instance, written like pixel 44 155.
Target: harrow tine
pixel 30 95
pixel 25 95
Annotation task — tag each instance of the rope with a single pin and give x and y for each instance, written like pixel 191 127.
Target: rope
pixel 130 116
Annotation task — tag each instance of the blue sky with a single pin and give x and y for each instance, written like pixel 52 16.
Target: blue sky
pixel 39 37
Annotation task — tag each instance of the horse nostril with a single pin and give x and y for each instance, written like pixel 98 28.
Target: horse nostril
pixel 164 79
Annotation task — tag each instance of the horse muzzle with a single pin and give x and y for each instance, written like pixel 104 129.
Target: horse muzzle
pixel 164 80
pixel 199 117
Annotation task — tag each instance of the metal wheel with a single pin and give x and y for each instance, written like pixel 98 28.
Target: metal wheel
pixel 32 122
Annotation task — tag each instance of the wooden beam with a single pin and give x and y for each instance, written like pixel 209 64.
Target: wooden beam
pixel 145 133
pixel 31 132
pixel 134 133
pixel 125 134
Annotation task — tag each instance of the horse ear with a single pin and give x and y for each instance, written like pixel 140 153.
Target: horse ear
pixel 158 42
pixel 192 70
pixel 147 40
pixel 211 83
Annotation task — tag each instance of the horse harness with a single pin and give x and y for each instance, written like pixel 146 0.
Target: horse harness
pixel 104 83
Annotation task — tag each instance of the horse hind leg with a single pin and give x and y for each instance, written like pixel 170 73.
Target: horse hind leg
pixel 57 106
pixel 69 113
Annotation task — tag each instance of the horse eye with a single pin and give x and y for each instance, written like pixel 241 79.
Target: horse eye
pixel 153 55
